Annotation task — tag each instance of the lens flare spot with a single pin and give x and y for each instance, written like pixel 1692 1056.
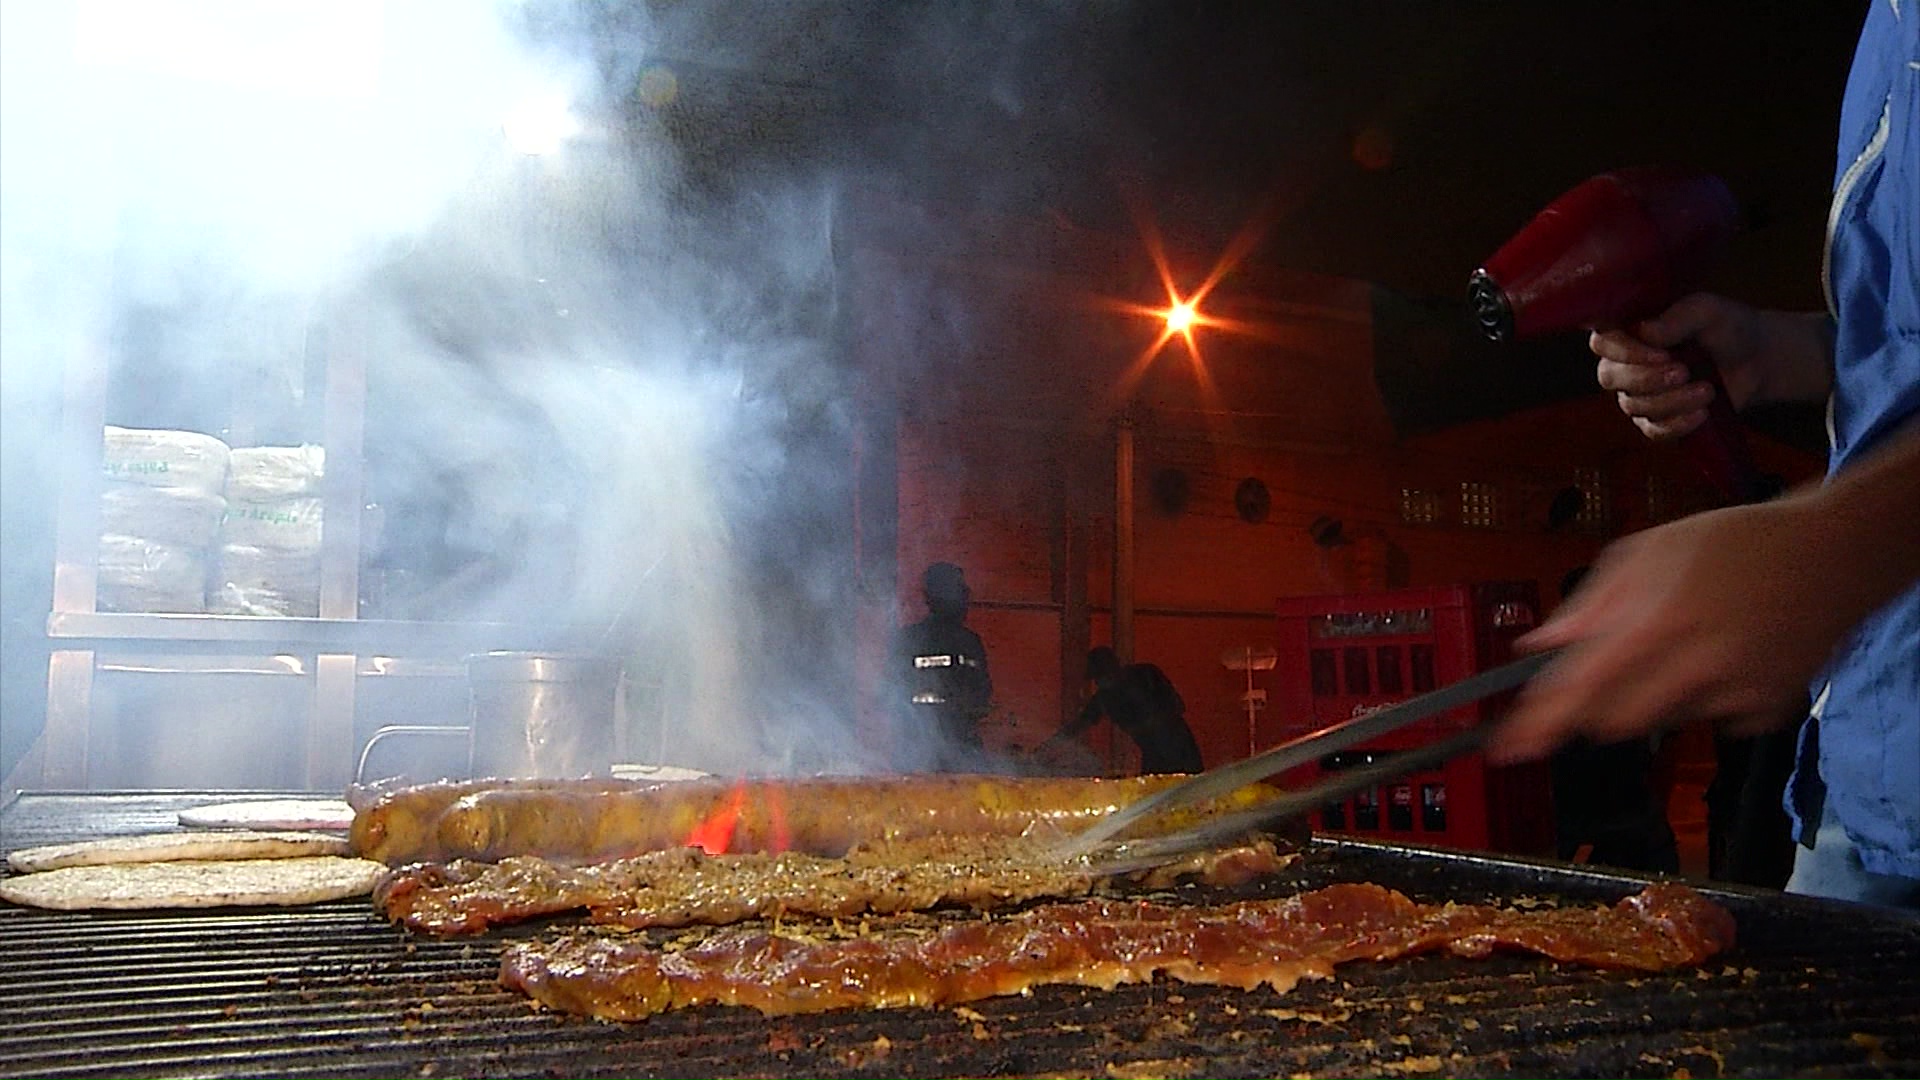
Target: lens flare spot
pixel 1373 148
pixel 657 88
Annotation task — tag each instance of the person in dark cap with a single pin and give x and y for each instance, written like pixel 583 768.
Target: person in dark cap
pixel 1141 701
pixel 944 679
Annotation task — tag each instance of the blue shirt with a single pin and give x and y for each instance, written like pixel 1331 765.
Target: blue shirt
pixel 1869 721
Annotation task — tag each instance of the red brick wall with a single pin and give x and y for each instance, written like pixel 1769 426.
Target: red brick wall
pixel 987 498
pixel 1002 443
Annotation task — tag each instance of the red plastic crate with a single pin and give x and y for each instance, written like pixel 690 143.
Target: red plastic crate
pixel 1344 656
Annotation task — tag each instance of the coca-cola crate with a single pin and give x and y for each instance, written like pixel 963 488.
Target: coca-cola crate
pixel 1345 656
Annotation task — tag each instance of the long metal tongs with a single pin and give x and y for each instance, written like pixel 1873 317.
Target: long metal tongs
pixel 1095 845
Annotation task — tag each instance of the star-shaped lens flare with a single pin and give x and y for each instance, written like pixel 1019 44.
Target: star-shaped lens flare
pixel 1184 314
pixel 1180 318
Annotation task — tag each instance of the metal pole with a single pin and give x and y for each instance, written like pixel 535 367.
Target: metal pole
pixel 330 737
pixel 67 736
pixel 1070 580
pixel 1253 747
pixel 1123 539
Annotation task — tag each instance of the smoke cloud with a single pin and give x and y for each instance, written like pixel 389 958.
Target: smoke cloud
pixel 607 386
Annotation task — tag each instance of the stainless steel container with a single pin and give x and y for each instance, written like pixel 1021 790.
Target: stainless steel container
pixel 543 715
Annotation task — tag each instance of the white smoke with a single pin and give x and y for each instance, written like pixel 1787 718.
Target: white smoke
pixel 541 336
pixel 607 385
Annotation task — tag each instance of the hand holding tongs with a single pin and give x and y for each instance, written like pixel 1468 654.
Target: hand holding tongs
pixel 1153 851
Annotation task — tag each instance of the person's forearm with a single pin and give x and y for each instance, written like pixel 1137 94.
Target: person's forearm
pixel 1059 738
pixel 1089 714
pixel 1798 365
pixel 1866 524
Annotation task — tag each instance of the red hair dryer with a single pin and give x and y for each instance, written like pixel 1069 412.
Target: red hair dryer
pixel 1619 248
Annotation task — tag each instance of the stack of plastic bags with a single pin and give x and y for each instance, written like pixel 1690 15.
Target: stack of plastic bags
pixel 269 557
pixel 160 514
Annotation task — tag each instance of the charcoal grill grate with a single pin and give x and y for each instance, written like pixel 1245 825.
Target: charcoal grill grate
pixel 1814 989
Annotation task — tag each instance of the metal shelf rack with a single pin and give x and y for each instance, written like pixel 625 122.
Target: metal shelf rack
pixel 80 637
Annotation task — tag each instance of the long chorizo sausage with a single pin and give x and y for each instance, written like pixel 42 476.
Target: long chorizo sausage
pixel 596 820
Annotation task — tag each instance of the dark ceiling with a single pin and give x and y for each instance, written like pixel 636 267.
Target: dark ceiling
pixel 1396 141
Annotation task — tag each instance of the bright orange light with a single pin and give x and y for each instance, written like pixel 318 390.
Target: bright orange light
pixel 1182 316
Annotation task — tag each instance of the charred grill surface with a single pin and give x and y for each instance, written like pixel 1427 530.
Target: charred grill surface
pixel 1811 989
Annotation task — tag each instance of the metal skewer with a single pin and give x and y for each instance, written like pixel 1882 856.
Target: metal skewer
pixel 1229 778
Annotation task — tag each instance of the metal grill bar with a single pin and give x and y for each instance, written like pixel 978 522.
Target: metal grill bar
pixel 332 990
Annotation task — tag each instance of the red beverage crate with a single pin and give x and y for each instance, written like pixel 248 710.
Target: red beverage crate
pixel 1345 656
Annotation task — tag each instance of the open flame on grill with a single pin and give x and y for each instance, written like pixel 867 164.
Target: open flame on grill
pixel 765 820
pixel 714 834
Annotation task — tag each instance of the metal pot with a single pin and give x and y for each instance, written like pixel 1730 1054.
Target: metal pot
pixel 539 715
pixel 543 715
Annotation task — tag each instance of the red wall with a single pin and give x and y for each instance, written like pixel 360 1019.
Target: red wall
pixel 1002 460
pixel 988 499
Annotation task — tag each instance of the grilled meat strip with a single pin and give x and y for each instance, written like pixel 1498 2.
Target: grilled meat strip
pixel 596 820
pixel 1102 943
pixel 686 886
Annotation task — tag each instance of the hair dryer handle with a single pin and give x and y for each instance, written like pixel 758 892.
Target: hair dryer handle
pixel 1718 448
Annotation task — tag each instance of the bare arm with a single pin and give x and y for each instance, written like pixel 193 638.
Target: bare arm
pixel 1727 614
pixel 1090 713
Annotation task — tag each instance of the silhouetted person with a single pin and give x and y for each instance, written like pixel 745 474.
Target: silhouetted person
pixel 943 675
pixel 1604 795
pixel 1141 701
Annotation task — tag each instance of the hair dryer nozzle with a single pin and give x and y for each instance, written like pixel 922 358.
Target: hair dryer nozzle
pixel 1490 307
pixel 1617 248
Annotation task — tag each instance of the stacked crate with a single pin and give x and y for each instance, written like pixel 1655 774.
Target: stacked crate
pixel 1345 656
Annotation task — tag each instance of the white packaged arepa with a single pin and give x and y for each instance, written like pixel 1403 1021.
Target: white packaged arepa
pixel 230 599
pixel 180 516
pixel 272 473
pixel 245 564
pixel 284 524
pixel 251 580
pixel 140 575
pixel 158 457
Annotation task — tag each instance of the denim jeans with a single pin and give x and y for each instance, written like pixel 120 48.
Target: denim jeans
pixel 1832 869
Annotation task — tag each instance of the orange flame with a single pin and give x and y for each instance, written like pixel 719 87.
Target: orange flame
pixel 715 835
pixel 722 831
